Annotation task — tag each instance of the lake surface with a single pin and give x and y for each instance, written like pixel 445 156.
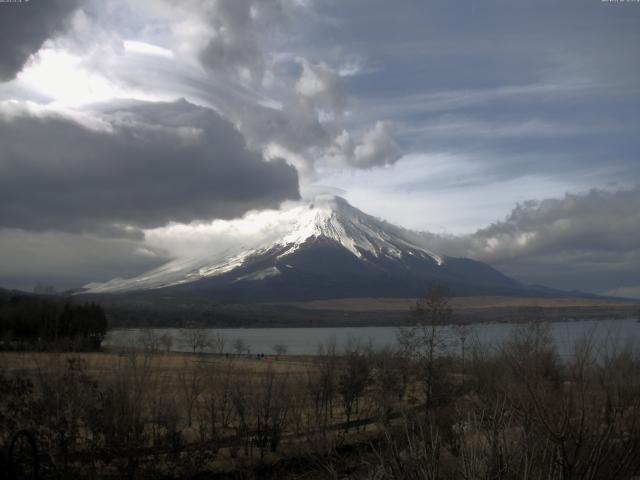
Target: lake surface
pixel 305 341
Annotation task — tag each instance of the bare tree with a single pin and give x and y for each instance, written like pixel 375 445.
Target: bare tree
pixel 217 343
pixel 148 340
pixel 353 381
pixel 196 338
pixel 242 393
pixel 324 386
pixel 191 380
pixel 462 331
pixel 279 350
pixel 426 341
pixel 117 419
pixel 271 407
pixel 390 381
pixel 216 410
pixel 166 340
pixel 239 346
pixel 543 417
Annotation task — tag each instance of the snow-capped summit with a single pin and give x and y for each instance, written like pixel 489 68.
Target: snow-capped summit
pixel 317 249
pixel 334 218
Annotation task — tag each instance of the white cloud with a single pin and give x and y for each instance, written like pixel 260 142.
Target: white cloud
pixel 322 86
pixel 147 49
pixel 376 148
pixel 579 241
pixel 64 78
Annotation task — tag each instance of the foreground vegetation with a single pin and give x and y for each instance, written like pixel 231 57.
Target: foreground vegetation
pixel 510 413
pixel 514 411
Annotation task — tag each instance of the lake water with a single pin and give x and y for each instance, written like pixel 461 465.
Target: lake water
pixel 305 341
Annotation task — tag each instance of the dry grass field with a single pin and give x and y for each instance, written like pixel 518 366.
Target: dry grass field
pixel 99 363
pixel 168 393
pixel 168 367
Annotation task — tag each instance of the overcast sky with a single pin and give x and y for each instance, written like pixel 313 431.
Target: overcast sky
pixel 509 130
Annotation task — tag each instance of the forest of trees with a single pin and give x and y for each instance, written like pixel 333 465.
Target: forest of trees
pixel 46 321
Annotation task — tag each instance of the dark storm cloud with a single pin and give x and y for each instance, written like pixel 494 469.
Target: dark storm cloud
pixel 233 44
pixel 588 241
pixel 25 26
pixel 141 166
pixel 68 260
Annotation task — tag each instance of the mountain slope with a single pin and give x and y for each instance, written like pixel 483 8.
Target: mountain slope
pixel 325 249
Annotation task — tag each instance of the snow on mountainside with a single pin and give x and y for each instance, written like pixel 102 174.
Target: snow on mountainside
pixel 284 232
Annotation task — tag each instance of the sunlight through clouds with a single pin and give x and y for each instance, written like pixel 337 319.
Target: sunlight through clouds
pixel 64 79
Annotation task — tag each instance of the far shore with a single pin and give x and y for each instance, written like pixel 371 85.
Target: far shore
pixel 178 312
pixel 458 303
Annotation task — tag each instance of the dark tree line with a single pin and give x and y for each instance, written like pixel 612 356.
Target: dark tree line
pixel 28 320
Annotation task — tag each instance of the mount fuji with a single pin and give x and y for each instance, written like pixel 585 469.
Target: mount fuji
pixel 318 250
